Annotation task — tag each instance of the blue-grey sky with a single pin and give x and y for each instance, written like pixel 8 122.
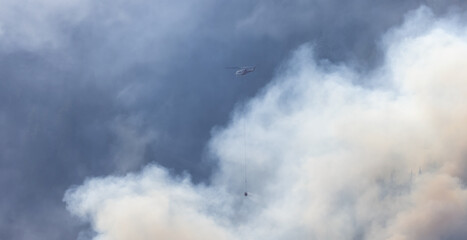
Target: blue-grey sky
pixel 93 88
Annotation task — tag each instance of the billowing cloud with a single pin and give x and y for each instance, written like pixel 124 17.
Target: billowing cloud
pixel 326 157
pixel 145 206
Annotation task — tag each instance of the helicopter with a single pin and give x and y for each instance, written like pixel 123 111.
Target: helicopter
pixel 241 71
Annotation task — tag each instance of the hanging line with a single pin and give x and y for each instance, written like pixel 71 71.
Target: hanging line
pixel 244 158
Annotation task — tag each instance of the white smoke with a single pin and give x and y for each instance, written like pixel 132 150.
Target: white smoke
pixel 327 158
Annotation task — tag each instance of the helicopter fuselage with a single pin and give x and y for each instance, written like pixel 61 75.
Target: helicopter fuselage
pixel 243 71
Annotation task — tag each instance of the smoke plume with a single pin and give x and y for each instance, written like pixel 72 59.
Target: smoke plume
pixel 326 157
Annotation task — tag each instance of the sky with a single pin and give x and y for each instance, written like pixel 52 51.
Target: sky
pixel 118 119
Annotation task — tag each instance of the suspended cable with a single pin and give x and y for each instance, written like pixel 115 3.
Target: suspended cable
pixel 244 158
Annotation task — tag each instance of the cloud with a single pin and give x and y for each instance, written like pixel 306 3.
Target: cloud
pixel 35 25
pixel 326 158
pixel 92 88
pixel 146 205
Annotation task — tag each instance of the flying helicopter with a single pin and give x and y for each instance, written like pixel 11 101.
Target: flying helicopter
pixel 243 70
